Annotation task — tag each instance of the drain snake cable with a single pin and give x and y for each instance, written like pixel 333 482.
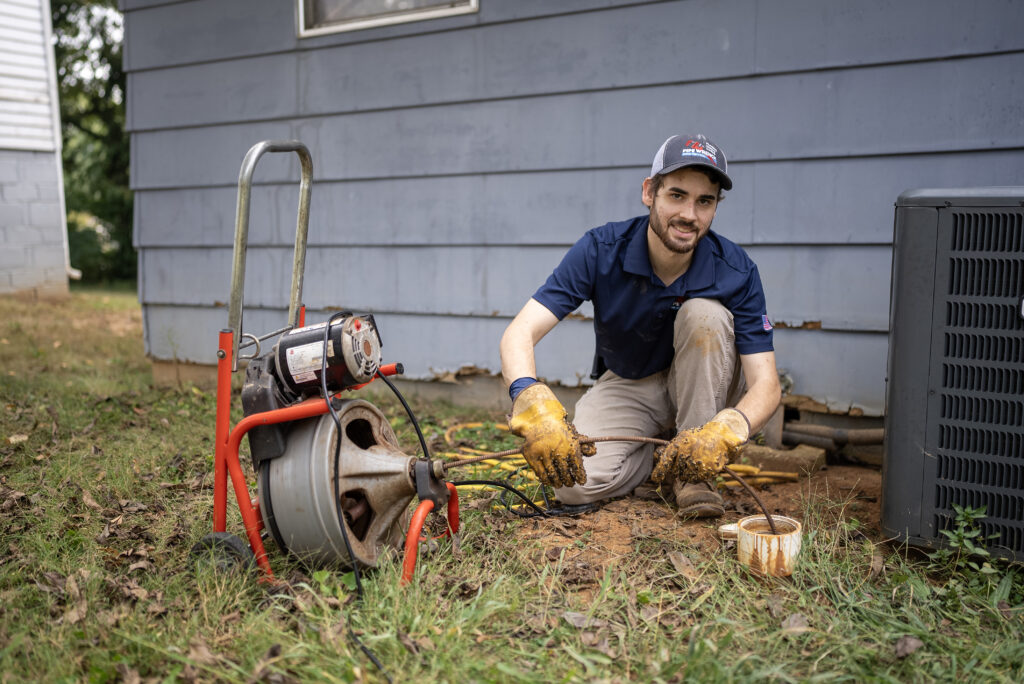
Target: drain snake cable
pixel 483 457
pixel 479 457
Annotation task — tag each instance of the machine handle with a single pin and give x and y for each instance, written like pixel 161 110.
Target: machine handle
pixel 392 369
pixel 242 233
pixel 386 369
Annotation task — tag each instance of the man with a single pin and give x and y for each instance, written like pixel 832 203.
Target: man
pixel 682 329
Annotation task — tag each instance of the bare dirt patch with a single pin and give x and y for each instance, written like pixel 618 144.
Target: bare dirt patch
pixel 585 546
pixel 122 323
pixel 859 487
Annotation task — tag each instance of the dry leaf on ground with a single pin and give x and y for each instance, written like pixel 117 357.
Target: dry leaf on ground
pixel 877 566
pixel 200 653
pixel 795 624
pixel 259 673
pixel 129 675
pixel 89 501
pixel 78 607
pixel 683 565
pixel 775 604
pixel 906 645
pixel 581 621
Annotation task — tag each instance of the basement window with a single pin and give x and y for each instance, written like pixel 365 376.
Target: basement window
pixel 319 17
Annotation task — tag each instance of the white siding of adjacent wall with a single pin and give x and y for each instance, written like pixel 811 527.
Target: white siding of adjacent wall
pixel 27 90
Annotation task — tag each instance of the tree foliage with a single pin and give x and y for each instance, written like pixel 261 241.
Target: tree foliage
pixel 91 81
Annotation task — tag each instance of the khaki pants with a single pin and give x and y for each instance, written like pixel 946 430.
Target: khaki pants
pixel 705 377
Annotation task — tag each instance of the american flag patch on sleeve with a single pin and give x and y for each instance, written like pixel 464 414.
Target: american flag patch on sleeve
pixel 765 322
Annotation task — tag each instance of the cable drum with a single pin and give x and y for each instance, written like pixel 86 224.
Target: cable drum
pixel 296 494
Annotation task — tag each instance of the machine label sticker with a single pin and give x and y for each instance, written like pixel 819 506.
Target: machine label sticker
pixel 305 360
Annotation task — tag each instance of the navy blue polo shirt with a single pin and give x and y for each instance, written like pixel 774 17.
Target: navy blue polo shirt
pixel 634 311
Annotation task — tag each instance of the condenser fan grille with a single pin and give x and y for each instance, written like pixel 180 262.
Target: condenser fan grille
pixel 983 410
pixel 979 441
pixel 980 347
pixel 985 473
pixel 955 391
pixel 1000 232
pixel 985 277
pixel 960 376
pixel 981 389
pixel 996 505
pixel 981 315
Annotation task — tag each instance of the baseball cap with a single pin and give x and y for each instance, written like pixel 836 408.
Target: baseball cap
pixel 691 150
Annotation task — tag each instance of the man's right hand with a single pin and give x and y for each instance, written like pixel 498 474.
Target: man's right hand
pixel 552 445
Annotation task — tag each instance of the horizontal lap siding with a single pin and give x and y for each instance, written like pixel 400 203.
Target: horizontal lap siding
pixel 929 107
pixel 589 51
pixel 456 159
pixel 428 346
pixel 834 287
pixel 825 201
pixel 209 30
pixel 27 110
pixel 781 35
pixel 841 369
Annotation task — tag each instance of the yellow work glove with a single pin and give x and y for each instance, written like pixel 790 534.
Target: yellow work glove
pixel 552 444
pixel 698 454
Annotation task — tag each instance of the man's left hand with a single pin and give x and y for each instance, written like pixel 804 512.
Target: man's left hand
pixel 698 454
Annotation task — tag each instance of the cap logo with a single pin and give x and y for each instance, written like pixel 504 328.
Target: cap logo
pixel 705 150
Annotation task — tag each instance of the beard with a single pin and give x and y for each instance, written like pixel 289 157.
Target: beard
pixel 672 242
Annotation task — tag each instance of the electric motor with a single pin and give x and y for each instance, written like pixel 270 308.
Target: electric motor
pixel 353 355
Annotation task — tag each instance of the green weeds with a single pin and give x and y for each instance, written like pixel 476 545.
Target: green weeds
pixel 105 485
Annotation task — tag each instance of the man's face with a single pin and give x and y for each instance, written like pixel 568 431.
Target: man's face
pixel 683 208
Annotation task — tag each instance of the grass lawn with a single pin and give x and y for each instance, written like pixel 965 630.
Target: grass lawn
pixel 106 483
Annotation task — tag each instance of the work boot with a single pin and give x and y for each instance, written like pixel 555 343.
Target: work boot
pixel 698 500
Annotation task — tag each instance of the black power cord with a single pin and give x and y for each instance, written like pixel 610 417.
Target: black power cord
pixel 337 495
pixel 537 512
pixel 412 417
pixel 337 453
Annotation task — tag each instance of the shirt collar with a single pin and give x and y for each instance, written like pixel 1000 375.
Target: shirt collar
pixel 636 260
pixel 700 275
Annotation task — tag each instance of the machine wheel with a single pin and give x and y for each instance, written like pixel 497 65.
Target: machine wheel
pixel 223 552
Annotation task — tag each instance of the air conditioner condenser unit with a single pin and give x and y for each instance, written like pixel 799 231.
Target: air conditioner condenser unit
pixel 955 386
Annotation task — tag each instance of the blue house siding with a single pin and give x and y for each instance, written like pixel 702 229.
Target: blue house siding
pixel 455 160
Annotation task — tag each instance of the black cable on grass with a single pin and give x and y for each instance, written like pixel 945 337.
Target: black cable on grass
pixel 544 495
pixel 412 417
pixel 337 495
pixel 337 452
pixel 504 485
pixel 564 509
pixel 537 510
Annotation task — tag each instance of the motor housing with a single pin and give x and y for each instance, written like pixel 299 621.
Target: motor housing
pixel 292 370
pixel 353 355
